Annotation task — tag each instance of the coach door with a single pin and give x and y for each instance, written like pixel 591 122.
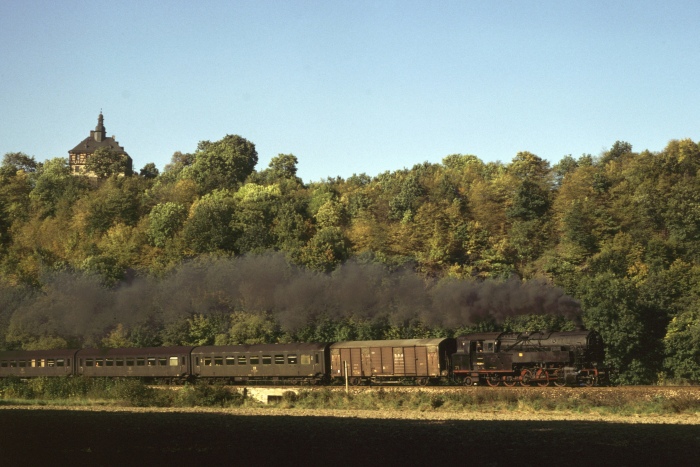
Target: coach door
pixel 433 360
pixel 399 361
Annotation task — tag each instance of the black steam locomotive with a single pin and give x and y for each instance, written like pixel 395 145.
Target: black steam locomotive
pixel 543 358
pixel 560 358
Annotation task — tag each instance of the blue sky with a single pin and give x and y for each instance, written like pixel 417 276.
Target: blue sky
pixel 350 86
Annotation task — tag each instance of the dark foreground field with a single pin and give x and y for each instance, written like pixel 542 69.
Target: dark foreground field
pixel 75 437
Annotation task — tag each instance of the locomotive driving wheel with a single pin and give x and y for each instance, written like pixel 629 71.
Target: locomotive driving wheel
pixel 542 378
pixel 467 381
pixel 591 380
pixel 525 377
pixel 510 381
pixel 493 380
pixel 558 378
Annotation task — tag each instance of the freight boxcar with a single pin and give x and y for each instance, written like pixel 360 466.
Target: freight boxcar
pixel 166 364
pixel 264 363
pixel 419 361
pixel 34 363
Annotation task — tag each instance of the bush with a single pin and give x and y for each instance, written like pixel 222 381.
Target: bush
pixel 206 395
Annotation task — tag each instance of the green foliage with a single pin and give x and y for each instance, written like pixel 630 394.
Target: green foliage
pixel 252 328
pixel 682 345
pixel 208 229
pixel 165 220
pixel 13 162
pixel 326 250
pixel 149 171
pixel 106 162
pixel 223 164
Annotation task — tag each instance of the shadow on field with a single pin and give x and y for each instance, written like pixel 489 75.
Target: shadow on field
pixel 57 437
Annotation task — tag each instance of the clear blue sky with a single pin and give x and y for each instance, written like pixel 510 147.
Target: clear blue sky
pixel 350 86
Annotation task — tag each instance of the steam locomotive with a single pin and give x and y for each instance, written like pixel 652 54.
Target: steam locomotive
pixel 571 358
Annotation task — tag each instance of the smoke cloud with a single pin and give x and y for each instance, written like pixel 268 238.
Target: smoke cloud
pixel 78 305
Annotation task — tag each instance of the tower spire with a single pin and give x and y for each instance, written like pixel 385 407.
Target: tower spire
pixel 100 132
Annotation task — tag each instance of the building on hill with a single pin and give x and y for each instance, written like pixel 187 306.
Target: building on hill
pixel 78 156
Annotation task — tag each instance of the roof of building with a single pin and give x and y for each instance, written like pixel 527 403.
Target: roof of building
pixel 97 139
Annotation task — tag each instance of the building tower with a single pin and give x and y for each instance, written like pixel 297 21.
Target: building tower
pixel 78 156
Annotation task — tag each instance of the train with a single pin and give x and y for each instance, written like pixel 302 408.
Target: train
pixel 543 358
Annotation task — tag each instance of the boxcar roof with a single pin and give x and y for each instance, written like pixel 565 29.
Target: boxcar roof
pixel 293 347
pixel 390 343
pixel 135 351
pixel 38 353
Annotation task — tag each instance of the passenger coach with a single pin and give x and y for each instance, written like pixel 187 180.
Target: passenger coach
pixel 34 363
pixel 292 363
pixel 170 364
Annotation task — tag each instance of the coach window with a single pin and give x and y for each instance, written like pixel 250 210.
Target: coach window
pixel 88 362
pixel 13 364
pixel 173 361
pixel 254 359
pixel 109 362
pixel 267 359
pixel 292 359
pixel 3 364
pixel 99 362
pixel 140 361
pixel 162 361
pixel 218 361
pixel 130 362
pixel 279 359
pixel 306 359
pixel 207 361
pixel 60 362
pixel 32 363
pixel 241 360
pixel 489 346
pixel 151 361
pixel 230 360
pixel 50 362
pixel 119 361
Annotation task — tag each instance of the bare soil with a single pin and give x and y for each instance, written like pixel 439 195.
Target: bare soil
pixel 125 436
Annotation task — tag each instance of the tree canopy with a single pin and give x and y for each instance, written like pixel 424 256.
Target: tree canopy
pixel 617 233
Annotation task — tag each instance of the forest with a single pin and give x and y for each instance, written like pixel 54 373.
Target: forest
pixel 213 250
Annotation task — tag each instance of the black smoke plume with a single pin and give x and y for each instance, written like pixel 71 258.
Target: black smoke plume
pixel 77 305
